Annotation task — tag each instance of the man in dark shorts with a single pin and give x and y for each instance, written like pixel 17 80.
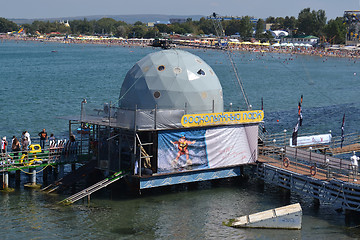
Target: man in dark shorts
pixel 43 138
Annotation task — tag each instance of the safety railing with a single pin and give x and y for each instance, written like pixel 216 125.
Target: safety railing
pixel 309 162
pixel 57 152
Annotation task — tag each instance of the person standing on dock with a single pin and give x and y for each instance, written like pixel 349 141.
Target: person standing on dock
pixel 354 164
pixel 27 134
pixel 4 144
pixel 25 144
pixel 15 146
pixel 43 138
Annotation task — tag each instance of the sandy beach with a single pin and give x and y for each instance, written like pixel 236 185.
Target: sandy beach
pixel 313 51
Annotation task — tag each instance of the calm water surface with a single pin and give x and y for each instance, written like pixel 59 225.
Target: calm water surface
pixel 43 81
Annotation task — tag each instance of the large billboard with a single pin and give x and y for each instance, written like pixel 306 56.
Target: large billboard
pixel 182 150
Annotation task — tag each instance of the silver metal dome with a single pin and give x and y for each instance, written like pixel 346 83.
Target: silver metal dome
pixel 172 79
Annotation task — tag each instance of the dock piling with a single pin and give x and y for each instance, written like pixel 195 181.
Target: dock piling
pixel 33 176
pixel 5 180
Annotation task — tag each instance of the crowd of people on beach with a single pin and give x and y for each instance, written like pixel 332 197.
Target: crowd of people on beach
pixel 314 51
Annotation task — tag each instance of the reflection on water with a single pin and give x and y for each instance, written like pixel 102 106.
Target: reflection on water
pixel 179 213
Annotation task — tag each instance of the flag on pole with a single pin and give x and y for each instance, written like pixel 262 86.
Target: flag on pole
pixel 300 117
pixel 294 134
pixel 298 124
pixel 342 131
pixel 262 108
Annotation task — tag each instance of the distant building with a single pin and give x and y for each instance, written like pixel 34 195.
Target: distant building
pixel 177 20
pixel 277 34
pixel 150 24
pixel 312 40
pixel 65 23
pixel 268 26
pixel 162 22
pixel 252 19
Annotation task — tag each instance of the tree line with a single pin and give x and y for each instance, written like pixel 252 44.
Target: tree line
pixel 307 23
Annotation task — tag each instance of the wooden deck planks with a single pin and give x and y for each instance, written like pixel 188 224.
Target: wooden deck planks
pixel 305 169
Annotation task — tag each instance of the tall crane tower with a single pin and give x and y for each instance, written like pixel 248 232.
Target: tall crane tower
pixel 220 34
pixel 216 19
pixel 352 21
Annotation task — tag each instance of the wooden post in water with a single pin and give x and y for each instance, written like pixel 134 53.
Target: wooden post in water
pixel 5 180
pixel 33 176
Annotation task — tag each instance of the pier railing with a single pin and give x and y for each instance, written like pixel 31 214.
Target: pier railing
pixel 349 139
pixel 59 153
pixel 309 162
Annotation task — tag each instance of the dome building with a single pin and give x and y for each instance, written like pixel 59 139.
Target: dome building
pixel 171 80
pixel 170 126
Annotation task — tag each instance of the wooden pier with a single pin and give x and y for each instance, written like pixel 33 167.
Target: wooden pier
pixel 328 179
pixel 345 149
pixel 36 160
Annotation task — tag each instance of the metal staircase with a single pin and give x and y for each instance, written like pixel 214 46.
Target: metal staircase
pixel 97 186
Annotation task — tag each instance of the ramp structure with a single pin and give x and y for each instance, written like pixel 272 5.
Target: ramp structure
pixel 287 217
pixel 97 186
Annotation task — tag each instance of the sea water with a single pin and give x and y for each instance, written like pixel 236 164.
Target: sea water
pixel 40 82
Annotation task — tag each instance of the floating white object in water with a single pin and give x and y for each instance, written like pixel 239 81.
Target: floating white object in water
pixel 287 217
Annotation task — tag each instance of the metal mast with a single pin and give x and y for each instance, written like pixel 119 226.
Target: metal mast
pixel 220 33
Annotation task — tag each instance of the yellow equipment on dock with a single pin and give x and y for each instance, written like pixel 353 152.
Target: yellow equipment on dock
pixel 30 157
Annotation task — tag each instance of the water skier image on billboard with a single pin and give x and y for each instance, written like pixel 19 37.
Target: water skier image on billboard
pixel 182 145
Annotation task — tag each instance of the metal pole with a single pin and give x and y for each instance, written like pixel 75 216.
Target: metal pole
pixel 110 114
pixel 69 128
pixel 109 141
pixel 81 123
pixel 139 166
pixel 81 127
pixel 134 151
pixel 155 117
pixel 98 144
pixel 296 163
pixel 120 137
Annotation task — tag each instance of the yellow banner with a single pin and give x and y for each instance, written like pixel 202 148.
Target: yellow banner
pixel 223 118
